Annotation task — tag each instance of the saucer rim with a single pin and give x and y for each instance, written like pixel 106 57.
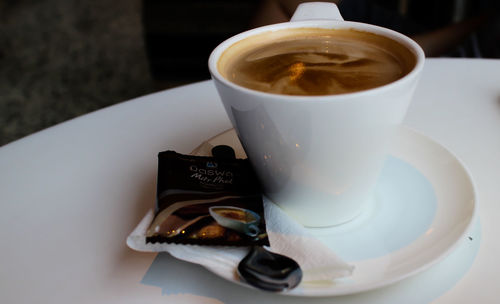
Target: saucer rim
pixel 334 290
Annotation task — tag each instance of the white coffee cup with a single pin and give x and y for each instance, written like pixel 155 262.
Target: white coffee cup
pixel 318 157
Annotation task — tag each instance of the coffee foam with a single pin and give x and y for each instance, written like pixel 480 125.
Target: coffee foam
pixel 315 61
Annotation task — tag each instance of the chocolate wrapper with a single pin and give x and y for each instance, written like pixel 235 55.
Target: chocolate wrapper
pixel 207 201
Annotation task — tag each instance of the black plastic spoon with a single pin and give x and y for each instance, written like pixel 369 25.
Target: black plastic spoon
pixel 269 271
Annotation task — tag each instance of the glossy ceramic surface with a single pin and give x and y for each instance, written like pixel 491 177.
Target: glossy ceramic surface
pixel 290 140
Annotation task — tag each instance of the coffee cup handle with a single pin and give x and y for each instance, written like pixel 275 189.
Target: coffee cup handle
pixel 316 11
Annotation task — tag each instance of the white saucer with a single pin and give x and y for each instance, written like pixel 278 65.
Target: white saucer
pixel 424 204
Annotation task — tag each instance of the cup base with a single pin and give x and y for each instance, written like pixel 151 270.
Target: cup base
pixel 365 212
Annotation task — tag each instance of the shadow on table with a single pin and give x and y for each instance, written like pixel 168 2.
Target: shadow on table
pixel 176 278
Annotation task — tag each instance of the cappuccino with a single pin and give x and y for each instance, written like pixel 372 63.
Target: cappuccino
pixel 315 61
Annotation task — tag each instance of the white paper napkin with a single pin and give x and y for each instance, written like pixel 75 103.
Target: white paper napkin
pixel 317 261
pixel 287 237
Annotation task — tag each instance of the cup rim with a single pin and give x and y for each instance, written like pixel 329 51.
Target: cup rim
pixel 333 24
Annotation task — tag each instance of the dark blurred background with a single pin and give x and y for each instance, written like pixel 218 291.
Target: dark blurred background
pixel 63 58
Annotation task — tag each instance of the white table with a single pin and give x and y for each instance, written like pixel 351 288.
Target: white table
pixel 70 195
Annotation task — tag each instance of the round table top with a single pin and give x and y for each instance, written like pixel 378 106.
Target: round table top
pixel 72 193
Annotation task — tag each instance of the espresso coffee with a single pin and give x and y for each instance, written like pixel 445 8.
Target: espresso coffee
pixel 315 61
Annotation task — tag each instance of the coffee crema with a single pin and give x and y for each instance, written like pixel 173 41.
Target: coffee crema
pixel 315 61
